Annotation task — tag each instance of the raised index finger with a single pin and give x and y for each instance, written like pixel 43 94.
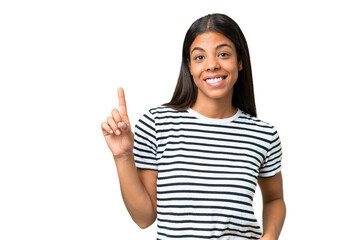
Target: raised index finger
pixel 122 105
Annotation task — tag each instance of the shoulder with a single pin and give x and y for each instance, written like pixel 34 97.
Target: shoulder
pixel 256 123
pixel 163 112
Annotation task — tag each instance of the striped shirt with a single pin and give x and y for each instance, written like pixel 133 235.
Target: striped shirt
pixel 207 171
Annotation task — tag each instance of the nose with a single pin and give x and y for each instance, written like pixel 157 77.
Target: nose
pixel 212 64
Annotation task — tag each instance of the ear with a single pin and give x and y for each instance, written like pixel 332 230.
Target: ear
pixel 240 67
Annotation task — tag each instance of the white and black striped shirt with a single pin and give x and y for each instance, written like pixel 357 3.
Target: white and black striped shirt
pixel 207 171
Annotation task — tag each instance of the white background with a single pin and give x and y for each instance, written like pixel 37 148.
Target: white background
pixel 60 65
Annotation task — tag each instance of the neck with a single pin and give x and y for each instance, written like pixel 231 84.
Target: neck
pixel 215 108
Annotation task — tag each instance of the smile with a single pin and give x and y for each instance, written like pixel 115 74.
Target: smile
pixel 215 80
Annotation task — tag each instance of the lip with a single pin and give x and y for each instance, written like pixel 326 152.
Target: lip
pixel 215 76
pixel 215 84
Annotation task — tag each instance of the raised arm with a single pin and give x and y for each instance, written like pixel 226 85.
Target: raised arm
pixel 138 188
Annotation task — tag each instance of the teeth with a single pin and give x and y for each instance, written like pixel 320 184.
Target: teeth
pixel 214 80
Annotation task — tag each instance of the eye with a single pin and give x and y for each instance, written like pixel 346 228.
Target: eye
pixel 199 58
pixel 224 55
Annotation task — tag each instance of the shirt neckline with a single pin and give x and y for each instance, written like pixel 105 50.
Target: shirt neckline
pixel 213 120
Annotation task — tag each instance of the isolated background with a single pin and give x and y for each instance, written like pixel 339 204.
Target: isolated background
pixel 60 65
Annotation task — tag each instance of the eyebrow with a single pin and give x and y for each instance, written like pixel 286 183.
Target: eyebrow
pixel 217 47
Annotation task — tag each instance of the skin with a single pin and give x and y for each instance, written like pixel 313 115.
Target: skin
pixel 212 55
pixel 138 187
pixel 274 209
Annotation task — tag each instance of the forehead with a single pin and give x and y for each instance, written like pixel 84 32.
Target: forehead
pixel 210 40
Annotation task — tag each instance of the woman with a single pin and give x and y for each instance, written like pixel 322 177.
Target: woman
pixel 194 162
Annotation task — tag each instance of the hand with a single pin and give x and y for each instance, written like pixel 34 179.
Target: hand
pixel 117 130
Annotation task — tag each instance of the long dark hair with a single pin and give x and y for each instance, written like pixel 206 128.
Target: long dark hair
pixel 185 93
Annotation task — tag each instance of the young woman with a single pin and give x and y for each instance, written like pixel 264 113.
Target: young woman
pixel 194 163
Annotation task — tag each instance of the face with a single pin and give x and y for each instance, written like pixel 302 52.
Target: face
pixel 214 66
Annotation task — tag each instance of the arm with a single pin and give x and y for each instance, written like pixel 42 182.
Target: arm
pixel 138 188
pixel 274 209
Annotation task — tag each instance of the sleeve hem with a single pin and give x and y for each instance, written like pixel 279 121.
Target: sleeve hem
pixel 270 175
pixel 146 168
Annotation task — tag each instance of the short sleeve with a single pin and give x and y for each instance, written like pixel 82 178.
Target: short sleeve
pixel 145 147
pixel 272 163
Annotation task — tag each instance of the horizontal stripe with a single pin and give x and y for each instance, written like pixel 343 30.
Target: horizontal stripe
pixel 211 153
pixel 224 140
pixel 214 132
pixel 253 122
pixel 214 146
pixel 143 150
pixel 207 171
pixel 205 192
pixel 234 230
pixel 144 157
pixel 214 214
pixel 205 207
pixel 267 167
pixel 173 117
pixel 205 185
pixel 160 220
pixel 204 200
pixel 158 111
pixel 149 164
pixel 222 127
pixel 200 236
pixel 210 164
pixel 206 178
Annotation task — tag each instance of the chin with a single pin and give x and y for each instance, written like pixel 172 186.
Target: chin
pixel 216 95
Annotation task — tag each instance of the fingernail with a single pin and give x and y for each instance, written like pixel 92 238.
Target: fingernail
pixel 111 131
pixel 117 132
pixel 119 124
pixel 124 126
